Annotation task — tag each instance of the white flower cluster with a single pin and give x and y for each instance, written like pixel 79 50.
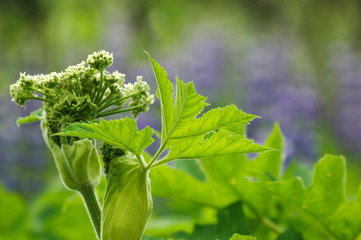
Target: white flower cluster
pixel 100 60
pixel 141 96
pixel 82 93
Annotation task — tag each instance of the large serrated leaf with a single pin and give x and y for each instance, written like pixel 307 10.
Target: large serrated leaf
pixel 123 133
pixel 221 143
pixel 213 119
pixel 165 94
pixel 184 133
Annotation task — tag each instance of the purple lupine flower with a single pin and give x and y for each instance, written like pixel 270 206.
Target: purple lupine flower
pixel 277 95
pixel 347 67
pixel 204 62
pixel 23 153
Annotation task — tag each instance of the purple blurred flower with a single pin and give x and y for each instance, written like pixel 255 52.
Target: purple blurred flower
pixel 23 157
pixel 347 122
pixel 277 95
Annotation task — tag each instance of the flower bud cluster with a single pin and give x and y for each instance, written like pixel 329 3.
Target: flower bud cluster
pixel 82 92
pixel 100 60
pixel 141 98
pixel 22 89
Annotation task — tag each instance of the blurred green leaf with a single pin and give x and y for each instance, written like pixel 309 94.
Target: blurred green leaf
pixel 327 191
pixel 123 133
pixel 236 236
pixel 290 234
pixel 33 117
pixel 230 219
pixel 191 167
pixel 13 215
pixel 58 213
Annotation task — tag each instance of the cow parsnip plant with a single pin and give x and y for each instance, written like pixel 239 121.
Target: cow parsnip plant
pixel 76 98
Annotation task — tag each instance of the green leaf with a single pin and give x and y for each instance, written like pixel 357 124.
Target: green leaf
pixel 165 94
pixel 123 133
pixel 179 115
pixel 184 133
pixel 236 236
pixel 217 118
pixel 57 213
pixel 327 191
pixel 210 193
pixel 33 117
pixel 227 180
pixel 191 167
pixel 13 210
pixel 346 221
pixel 230 220
pixel 290 234
pixel 222 142
pixel 270 163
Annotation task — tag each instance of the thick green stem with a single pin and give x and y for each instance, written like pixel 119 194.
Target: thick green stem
pixel 92 205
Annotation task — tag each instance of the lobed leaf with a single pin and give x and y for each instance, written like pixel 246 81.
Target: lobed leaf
pixel 123 133
pixel 165 94
pixel 179 115
pixel 220 143
pixel 184 133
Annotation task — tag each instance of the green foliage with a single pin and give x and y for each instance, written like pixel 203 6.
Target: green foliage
pixel 13 212
pixel 270 201
pixel 290 234
pixel 123 133
pixel 230 219
pixel 220 143
pixel 241 237
pixel 35 116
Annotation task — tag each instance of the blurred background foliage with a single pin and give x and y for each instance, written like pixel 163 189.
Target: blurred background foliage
pixel 293 62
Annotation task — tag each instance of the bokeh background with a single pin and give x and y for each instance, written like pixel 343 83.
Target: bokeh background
pixel 293 62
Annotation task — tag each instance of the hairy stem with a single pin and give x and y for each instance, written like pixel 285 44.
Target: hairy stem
pixel 90 199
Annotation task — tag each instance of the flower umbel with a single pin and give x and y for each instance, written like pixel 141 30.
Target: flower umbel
pixel 100 60
pixel 82 93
